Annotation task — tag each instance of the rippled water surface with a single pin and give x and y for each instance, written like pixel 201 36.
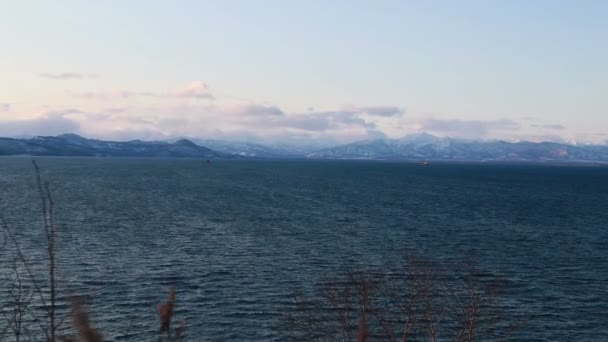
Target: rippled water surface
pixel 236 238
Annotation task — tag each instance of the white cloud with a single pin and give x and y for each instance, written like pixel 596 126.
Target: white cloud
pixel 385 111
pixel 113 95
pixel 468 128
pixel 67 76
pixel 554 127
pixel 180 112
pixel 197 89
pixel 265 123
pixel 49 123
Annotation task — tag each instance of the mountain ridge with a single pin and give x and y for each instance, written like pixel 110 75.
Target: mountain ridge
pixel 416 147
pixel 75 145
pixel 428 147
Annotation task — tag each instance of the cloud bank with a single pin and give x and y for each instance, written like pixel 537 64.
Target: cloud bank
pixel 194 111
pixel 49 123
pixel 469 128
pixel 195 90
pixel 66 76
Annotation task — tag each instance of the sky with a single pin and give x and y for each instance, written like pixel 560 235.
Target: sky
pixel 303 72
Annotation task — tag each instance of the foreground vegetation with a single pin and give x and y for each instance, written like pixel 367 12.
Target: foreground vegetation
pixel 423 300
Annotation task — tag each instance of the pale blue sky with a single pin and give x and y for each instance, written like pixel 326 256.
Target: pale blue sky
pixel 334 71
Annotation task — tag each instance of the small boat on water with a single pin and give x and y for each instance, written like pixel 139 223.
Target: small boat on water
pixel 424 163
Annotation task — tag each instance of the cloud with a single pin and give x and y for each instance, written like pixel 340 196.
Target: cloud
pixel 63 112
pixel 252 110
pixel 115 110
pixel 550 127
pixel 266 123
pixel 113 94
pixel 67 76
pixel 385 111
pixel 468 128
pixel 5 107
pixel 307 122
pixel 195 90
pixel 349 118
pixel 272 117
pixel 49 123
pixel 173 122
pixel 126 134
pixel 331 120
pixel 99 116
pixel 122 121
pixel 198 90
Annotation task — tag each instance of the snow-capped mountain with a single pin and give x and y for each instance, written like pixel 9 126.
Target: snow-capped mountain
pixel 428 147
pixel 247 149
pixel 421 146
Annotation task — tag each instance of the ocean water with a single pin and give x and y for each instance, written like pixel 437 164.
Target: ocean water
pixel 236 238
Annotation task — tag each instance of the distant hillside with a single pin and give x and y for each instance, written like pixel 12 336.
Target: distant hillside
pixel 255 150
pixel 428 147
pixel 74 145
pixel 247 149
pixel 413 147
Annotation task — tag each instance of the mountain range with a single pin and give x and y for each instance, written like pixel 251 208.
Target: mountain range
pixel 415 147
pixel 424 146
pixel 75 145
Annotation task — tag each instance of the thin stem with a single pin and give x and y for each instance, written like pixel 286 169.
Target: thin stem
pixel 51 248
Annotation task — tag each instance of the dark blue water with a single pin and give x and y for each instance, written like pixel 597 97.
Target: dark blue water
pixel 236 238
